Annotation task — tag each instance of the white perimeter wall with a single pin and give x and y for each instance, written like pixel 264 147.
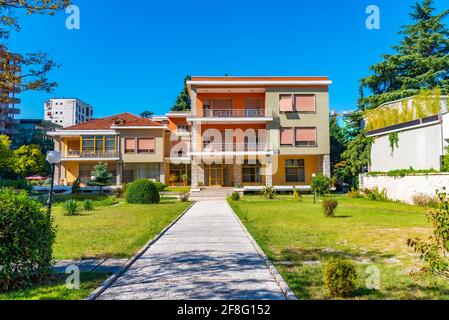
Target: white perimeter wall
pixel 404 188
pixel 420 148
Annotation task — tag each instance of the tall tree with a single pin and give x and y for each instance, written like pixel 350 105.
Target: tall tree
pixel 29 160
pixel 6 157
pixel 183 102
pixel 338 140
pixel 420 61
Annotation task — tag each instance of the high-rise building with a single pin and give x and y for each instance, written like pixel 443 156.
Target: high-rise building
pixel 67 112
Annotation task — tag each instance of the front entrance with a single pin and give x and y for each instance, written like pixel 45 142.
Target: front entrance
pixel 215 174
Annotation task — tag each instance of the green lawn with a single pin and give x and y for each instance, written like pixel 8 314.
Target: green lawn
pixel 177 189
pixel 55 289
pixel 295 235
pixel 113 231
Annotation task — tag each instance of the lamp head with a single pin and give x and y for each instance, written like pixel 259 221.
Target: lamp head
pixel 53 157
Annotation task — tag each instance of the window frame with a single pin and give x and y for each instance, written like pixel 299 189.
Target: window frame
pixel 308 145
pixel 298 167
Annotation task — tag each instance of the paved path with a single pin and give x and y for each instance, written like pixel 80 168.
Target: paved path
pixel 205 255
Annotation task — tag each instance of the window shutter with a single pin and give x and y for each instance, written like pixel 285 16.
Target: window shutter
pixel 305 134
pixel 285 103
pixel 305 103
pixel 286 136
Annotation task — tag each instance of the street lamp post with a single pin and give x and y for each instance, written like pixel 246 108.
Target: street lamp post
pixel 53 157
pixel 314 190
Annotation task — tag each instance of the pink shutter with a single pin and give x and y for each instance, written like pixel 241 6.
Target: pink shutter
pixel 286 136
pixel 285 103
pixel 130 144
pixel 146 144
pixel 305 103
pixel 305 134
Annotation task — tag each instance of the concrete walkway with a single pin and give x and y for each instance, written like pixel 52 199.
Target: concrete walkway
pixel 205 255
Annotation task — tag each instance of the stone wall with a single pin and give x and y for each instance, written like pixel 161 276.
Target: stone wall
pixel 404 188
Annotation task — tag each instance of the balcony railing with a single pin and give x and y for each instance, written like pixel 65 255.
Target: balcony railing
pixel 234 113
pixel 234 147
pixel 91 154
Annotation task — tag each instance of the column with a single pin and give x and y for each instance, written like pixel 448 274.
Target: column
pixel 197 173
pixel 162 172
pixel 269 173
pixel 118 173
pixel 237 167
pixel 327 165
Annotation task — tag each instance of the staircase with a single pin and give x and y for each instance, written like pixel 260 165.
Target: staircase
pixel 211 193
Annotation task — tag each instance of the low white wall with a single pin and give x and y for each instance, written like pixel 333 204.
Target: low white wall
pixel 404 188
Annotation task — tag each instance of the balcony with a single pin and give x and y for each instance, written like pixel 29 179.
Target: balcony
pixel 233 116
pixel 234 149
pixel 91 155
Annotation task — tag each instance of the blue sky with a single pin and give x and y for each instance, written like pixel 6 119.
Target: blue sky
pixel 132 56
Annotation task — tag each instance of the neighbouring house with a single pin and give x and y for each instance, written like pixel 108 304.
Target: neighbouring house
pixel 67 112
pixel 408 133
pixel 246 132
pixel 133 148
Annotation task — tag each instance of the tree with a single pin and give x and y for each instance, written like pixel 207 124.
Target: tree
pixel 28 161
pixel 101 176
pixel 6 157
pixel 420 61
pixel 338 141
pixel 147 114
pixel 183 102
pixel 18 72
pixel 358 154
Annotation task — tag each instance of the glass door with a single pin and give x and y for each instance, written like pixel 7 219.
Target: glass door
pixel 216 173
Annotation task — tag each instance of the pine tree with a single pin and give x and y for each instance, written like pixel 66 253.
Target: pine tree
pixel 421 60
pixel 101 176
pixel 183 100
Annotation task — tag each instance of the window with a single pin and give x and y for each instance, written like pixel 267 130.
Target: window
pixel 285 103
pixel 145 145
pixel 221 104
pixel 251 172
pixel 306 137
pixel 99 145
pixel 183 129
pixel 130 145
pixel 286 136
pixel 180 171
pixel 305 103
pixel 295 170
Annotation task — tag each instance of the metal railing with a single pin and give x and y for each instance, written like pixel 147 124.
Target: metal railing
pixel 234 113
pixel 234 147
pixel 91 154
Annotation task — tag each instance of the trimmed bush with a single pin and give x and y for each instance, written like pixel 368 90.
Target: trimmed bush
pixel 88 205
pixel 71 208
pixel 26 240
pixel 184 197
pixel 321 185
pixel 142 191
pixel 160 186
pixel 329 206
pixel 235 196
pixel 340 277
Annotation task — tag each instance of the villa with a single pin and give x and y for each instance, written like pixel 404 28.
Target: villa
pixel 246 132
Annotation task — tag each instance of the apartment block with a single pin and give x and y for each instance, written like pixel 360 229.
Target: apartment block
pixel 67 112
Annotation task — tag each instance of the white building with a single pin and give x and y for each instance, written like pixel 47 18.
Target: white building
pixel 67 112
pixel 419 143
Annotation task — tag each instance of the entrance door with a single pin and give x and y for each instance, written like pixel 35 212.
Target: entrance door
pixel 216 173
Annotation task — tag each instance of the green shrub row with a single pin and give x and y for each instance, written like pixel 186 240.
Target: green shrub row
pixel 16 184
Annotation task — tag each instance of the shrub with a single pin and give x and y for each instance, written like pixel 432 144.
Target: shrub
pixel 296 195
pixel 184 197
pixel 142 191
pixel 26 240
pixel 88 205
pixel 329 207
pixel 340 278
pixel 321 185
pixel 235 196
pixel 425 201
pixel 269 193
pixel 16 184
pixel 76 186
pixel 375 194
pixel 355 194
pixel 160 186
pixel 71 208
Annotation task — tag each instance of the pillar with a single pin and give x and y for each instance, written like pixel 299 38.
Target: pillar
pixel 162 172
pixel 118 173
pixel 327 165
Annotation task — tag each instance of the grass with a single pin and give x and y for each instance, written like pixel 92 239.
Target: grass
pixel 112 232
pixel 177 189
pixel 55 288
pixel 295 234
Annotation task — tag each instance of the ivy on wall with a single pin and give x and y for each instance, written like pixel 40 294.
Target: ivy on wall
pixel 426 104
pixel 394 140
